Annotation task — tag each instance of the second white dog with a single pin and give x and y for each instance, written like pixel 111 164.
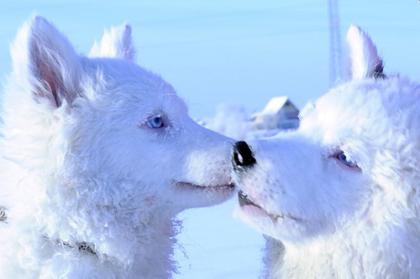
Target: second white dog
pixel 339 198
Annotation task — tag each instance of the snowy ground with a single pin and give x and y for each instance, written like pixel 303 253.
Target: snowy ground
pixel 240 52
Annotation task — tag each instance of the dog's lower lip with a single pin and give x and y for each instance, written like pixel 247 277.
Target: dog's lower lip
pixel 244 201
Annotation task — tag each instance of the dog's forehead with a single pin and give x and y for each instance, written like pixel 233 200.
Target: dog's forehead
pixel 120 73
pixel 126 82
pixel 360 108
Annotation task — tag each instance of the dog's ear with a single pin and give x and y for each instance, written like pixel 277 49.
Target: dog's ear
pixel 45 61
pixel 116 42
pixel 364 58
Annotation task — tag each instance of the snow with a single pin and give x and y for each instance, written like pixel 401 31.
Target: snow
pixel 274 105
pixel 239 52
pixel 230 120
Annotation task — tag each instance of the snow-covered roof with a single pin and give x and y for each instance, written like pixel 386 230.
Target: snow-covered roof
pixel 275 104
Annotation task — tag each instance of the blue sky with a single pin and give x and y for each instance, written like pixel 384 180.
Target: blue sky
pixel 238 52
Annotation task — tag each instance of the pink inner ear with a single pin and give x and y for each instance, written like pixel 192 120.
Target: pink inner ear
pixel 48 78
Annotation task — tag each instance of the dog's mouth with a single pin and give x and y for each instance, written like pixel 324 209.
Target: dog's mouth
pixel 228 187
pixel 246 202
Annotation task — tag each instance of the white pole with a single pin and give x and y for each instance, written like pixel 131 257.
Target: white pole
pixel 335 42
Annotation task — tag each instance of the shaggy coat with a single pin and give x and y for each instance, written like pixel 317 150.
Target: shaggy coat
pixel 98 155
pixel 339 197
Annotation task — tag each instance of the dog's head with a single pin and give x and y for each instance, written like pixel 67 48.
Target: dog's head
pixel 354 161
pixel 105 118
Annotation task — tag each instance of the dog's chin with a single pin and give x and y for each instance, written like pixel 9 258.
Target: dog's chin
pixel 256 219
pixel 205 195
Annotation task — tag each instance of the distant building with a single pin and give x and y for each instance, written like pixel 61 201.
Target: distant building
pixel 279 114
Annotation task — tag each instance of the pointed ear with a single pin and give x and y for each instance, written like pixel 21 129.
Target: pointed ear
pixel 45 61
pixel 116 42
pixel 365 61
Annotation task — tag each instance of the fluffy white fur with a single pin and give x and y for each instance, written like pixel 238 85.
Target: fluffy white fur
pixel 82 165
pixel 339 198
pixel 116 42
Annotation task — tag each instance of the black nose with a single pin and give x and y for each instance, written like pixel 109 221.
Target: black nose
pixel 242 155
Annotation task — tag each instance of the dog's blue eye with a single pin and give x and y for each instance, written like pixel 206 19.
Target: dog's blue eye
pixel 156 122
pixel 343 159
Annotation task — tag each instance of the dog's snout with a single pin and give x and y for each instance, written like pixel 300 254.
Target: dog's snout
pixel 242 155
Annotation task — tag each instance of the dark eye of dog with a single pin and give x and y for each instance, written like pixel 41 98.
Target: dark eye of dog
pixel 156 122
pixel 343 159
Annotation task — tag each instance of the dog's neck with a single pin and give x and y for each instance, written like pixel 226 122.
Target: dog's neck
pixel 135 239
pixel 358 254
pixel 126 243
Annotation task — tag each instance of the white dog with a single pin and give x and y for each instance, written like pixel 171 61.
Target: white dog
pixel 339 198
pixel 99 155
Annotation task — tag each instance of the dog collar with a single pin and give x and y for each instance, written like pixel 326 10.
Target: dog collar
pixel 82 246
pixel 3 216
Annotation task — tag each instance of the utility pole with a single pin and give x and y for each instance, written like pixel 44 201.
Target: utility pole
pixel 336 63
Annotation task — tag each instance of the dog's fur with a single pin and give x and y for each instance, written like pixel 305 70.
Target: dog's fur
pixel 98 156
pixel 339 198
